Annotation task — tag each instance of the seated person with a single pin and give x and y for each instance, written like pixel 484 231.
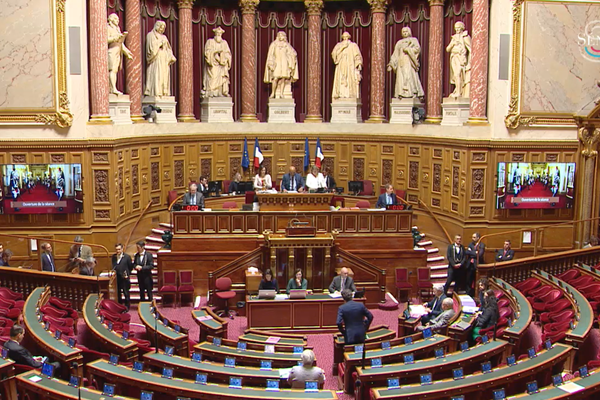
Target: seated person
pixel 5 256
pixel 434 307
pixel 489 316
pixel 268 283
pixel 297 282
pixel 88 267
pixel 387 198
pixel 306 372
pixel 483 285
pixel 329 181
pixel 20 354
pixel 234 185
pixel 292 182
pixel 193 197
pixel 262 180
pixel 341 282
pixel 315 180
pixel 442 320
pixel 506 253
pixel 203 186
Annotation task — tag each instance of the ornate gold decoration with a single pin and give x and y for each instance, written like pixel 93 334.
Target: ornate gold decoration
pixel 425 177
pixel 185 4
pixel 144 178
pixel 401 174
pixel 313 7
pixel 378 6
pixel 517 11
pixel 249 6
pixel 62 118
pixel 588 141
pixel 60 6
pixel 436 3
pixel 463 183
pixel 514 119
pixel 447 180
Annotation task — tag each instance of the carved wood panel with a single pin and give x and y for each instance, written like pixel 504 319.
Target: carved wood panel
pixel 413 175
pixel 437 177
pixel 358 169
pixel 120 182
pixel 155 175
pixel 179 180
pixel 387 172
pixel 206 167
pixel 101 186
pixel 455 178
pixel 135 184
pixel 477 184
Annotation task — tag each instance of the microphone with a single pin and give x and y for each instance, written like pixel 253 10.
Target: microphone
pixel 155 330
pixel 364 352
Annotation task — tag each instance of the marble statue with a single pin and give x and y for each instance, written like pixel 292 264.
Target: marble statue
pixel 349 62
pixel 116 48
pixel 217 63
pixel 460 61
pixel 405 63
pixel 282 66
pixel 159 57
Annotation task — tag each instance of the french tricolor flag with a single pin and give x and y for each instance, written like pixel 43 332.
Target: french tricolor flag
pixel 258 156
pixel 319 157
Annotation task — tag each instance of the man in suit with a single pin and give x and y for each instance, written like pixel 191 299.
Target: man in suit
pixel 505 254
pixel 203 186
pixel 193 197
pixel 122 265
pixel 78 254
pixel 20 354
pixel 341 282
pixel 434 307
pixel 387 198
pixel 329 180
pixel 143 264
pixel 475 253
pixel 47 258
pixel 4 256
pixel 457 260
pixel 88 267
pixel 292 181
pixel 442 320
pixel 353 319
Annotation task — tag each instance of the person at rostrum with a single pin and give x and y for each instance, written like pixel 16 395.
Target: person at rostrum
pixel 297 282
pixel 306 372
pixel 329 180
pixel 506 253
pixel 475 252
pixel 353 319
pixel 262 180
pixel 315 179
pixel 434 307
pixel 193 197
pixel 143 264
pixel 387 198
pixel 203 186
pixel 292 182
pixel 47 258
pixel 20 354
pixel 442 320
pixel 268 282
pixel 122 265
pixel 489 315
pixel 341 282
pixel 456 264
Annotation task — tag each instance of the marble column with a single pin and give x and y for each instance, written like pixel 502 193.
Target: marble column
pixel 98 62
pixel 378 8
pixel 133 67
pixel 314 8
pixel 479 62
pixel 186 62
pixel 248 60
pixel 436 62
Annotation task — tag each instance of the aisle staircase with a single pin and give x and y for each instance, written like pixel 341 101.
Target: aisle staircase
pixel 436 260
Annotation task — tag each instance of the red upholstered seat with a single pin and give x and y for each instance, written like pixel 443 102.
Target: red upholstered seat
pixel 114 317
pixel 230 204
pixel 505 312
pixel 169 285
pixel 186 285
pixel 223 291
pixel 582 281
pixel 9 294
pixel 527 285
pixel 556 327
pixel 568 275
pixel 54 312
pixel 63 305
pixel 7 303
pixel 171 196
pixel 68 322
pixel 503 303
pixel 363 204
pixel 226 184
pixel 368 189
pixel 402 284
pixel 113 306
pixel 6 322
pixel 12 313
pixel 249 197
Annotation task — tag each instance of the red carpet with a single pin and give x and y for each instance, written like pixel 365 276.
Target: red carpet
pixel 525 198
pixel 39 194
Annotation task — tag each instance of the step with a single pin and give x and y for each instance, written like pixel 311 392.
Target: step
pixel 153 247
pixel 432 250
pixel 439 275
pixel 164 251
pixel 158 231
pixel 424 243
pixel 435 258
pixel 165 225
pixel 154 239
pixel 438 267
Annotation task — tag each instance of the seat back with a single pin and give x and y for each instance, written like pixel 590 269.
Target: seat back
pixel 367 188
pixel 172 195
pixel 401 275
pixel 423 274
pixel 226 184
pixel 363 204
pixel 169 278
pixel 230 204
pixel 223 283
pixel 186 277
pixel 249 197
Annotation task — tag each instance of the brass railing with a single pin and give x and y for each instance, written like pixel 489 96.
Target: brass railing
pixel 137 223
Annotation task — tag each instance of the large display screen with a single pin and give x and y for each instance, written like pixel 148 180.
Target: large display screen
pixel 41 189
pixel 535 185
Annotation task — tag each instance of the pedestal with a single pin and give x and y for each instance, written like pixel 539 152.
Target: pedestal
pixel 282 111
pixel 217 109
pixel 455 111
pixel 167 109
pixel 119 109
pixel 346 111
pixel 401 110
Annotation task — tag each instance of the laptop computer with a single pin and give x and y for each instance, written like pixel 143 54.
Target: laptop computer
pixel 297 293
pixel 266 294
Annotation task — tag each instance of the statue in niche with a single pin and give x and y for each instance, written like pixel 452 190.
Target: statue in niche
pixel 159 57
pixel 116 48
pixel 282 67
pixel 460 61
pixel 405 63
pixel 349 62
pixel 217 63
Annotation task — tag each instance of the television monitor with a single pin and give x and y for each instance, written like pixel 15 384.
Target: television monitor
pixel 57 334
pixel 393 383
pixel 108 390
pixel 242 346
pixel 486 367
pixel 201 379
pixel 273 385
pixel 125 335
pixel 557 380
pixel 169 351
pixel 183 398
pixel 457 398
pixel 511 360
pixel 408 340
pixel 535 185
pixel 356 187
pixel 548 344
pixel 109 326
pixel 457 373
pixel 48 370
pixel 41 189
pixel 583 371
pixel 146 395
pixel 177 328
pixel 484 339
pixel 138 366
pixel 114 359
pixel 74 381
pixel 532 387
pixel 464 346
pixel 72 342
pixel 167 373
pixel 166 322
pixel 311 386
pixel 298 349
pixel 4 353
pixel 439 352
pixel 427 333
pixel 385 345
pixel 230 362
pixel 217 341
pixel 215 187
pixel 499 394
pixel 358 348
pixel 531 352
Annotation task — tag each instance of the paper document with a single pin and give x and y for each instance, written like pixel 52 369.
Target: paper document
pixel 269 348
pixel 281 296
pixel 417 311
pixel 335 295
pixel 375 209
pixel 272 339
pixel 284 373
pixel 205 318
pixel 37 378
pixel 570 387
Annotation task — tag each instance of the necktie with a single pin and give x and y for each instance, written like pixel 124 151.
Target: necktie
pixel 343 283
pixel 293 183
pixel 51 263
pixel 193 202
pixel 434 303
pixel 389 199
pixel 79 253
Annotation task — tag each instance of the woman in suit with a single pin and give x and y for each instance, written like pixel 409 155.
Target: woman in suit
pixel 297 282
pixel 489 316
pixel 268 283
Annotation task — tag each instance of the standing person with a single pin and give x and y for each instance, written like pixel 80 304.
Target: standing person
pixel 341 282
pixel 47 258
pixel 306 372
pixel 262 180
pixel 143 264
pixel 78 254
pixel 353 319
pixel 292 182
pixel 475 253
pixel 506 253
pixel 457 259
pixel 122 265
pixel 297 282
pixel 434 307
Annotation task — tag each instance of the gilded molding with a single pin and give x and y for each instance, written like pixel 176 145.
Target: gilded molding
pixel 514 119
pixel 378 6
pixel 185 4
pixel 436 3
pixel 313 7
pixel 62 118
pixel 588 141
pixel 249 6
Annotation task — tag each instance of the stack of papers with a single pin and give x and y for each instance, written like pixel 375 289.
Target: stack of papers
pixel 282 296
pixel 335 295
pixel 468 304
pixel 272 339
pixel 205 318
pixel 417 310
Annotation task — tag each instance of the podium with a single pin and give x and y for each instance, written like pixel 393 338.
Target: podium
pixel 294 201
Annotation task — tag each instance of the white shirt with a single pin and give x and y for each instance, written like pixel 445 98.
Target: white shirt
pixel 315 182
pixel 264 183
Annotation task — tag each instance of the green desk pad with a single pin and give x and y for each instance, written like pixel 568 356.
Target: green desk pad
pixel 148 317
pixel 255 354
pixel 283 341
pixel 89 314
pixel 137 378
pixel 5 363
pixel 522 322
pixel 554 392
pixel 212 323
pixel 400 349
pixel 37 328
pixel 373 335
pixel 477 379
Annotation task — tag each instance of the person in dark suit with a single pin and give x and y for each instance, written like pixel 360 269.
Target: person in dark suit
pixel 292 181
pixel 203 186
pixel 4 256
pixel 122 265
pixel 353 319
pixel 505 254
pixel 268 282
pixel 329 180
pixel 47 258
pixel 475 253
pixel 389 197
pixel 457 260
pixel 20 354
pixel 341 282
pixel 434 307
pixel 193 197
pixel 442 320
pixel 143 264
pixel 489 316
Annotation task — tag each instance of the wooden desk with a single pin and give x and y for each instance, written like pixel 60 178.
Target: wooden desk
pixel 285 339
pixel 209 323
pixel 294 201
pixel 166 334
pixel 591 385
pixel 318 312
pixel 7 372
pixel 376 334
pixel 252 282
pixel 247 357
